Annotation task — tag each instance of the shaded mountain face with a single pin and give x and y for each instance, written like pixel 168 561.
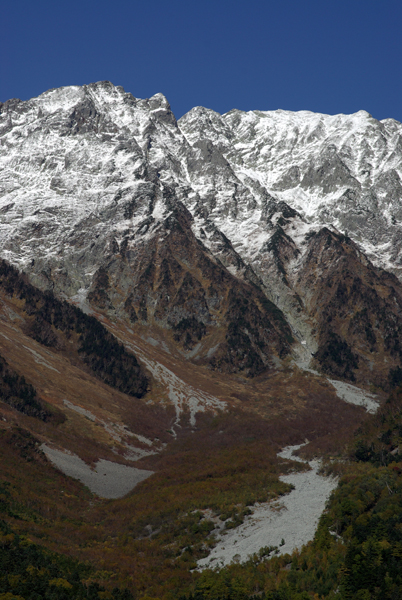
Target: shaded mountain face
pixel 356 308
pixel 174 282
pixel 244 237
pixel 59 325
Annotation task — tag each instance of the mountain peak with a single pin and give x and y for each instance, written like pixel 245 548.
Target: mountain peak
pixel 95 179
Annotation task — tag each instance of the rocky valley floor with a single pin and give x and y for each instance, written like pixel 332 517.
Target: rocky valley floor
pixel 206 442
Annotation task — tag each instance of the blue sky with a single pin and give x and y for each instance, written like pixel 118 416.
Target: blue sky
pixel 327 56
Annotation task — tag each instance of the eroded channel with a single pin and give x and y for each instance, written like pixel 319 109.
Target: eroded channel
pixel 293 520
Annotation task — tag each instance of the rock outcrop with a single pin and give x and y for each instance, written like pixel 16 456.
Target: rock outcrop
pixel 246 237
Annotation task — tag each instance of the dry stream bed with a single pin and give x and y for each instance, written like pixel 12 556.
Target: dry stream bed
pixel 293 519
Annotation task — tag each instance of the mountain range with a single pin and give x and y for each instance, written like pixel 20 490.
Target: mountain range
pixel 170 289
pixel 109 201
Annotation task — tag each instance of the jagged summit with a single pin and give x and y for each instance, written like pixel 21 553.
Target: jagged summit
pixel 95 183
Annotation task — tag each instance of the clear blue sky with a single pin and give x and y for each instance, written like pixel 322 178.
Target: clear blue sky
pixel 325 56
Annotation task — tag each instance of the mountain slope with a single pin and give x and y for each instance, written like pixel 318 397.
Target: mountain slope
pixel 194 296
pixel 94 184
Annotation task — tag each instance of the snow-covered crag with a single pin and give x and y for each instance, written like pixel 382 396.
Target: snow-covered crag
pixel 281 176
pixel 342 170
pixel 96 184
pixel 78 178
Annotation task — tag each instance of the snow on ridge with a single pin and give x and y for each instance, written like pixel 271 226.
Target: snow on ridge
pixel 88 174
pixel 62 99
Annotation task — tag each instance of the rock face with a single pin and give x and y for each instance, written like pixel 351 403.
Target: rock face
pixel 245 236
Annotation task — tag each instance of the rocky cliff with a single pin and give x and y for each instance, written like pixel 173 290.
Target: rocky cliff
pixel 244 237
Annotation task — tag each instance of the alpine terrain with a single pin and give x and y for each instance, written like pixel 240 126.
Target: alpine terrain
pixel 200 340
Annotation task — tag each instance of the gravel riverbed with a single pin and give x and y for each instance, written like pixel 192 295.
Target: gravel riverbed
pixel 107 480
pixel 293 519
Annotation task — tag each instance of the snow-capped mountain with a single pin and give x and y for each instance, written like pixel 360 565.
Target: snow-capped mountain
pixel 108 198
pixel 343 170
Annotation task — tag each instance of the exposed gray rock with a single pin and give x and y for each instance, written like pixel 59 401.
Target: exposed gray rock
pixel 91 175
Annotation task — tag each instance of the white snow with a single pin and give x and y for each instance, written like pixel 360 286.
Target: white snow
pixel 52 184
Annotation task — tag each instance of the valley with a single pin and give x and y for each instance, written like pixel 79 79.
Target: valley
pixel 182 305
